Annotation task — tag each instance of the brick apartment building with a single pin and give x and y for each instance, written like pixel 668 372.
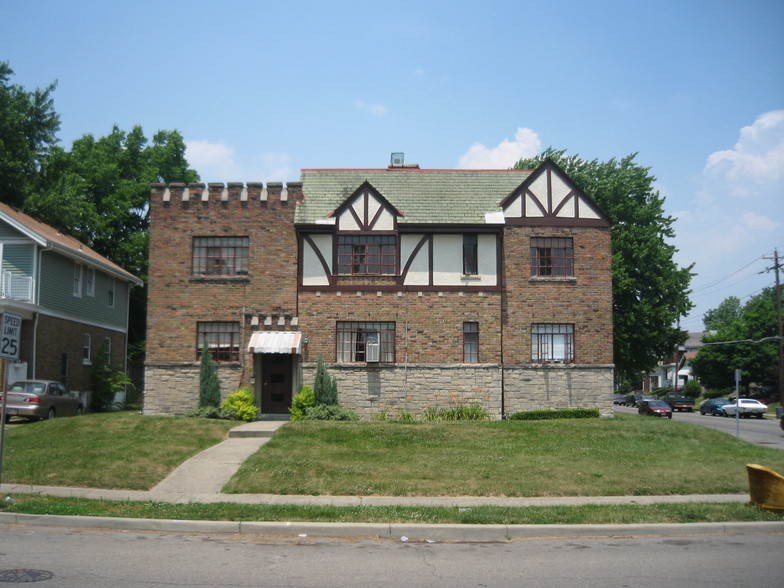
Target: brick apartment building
pixel 419 289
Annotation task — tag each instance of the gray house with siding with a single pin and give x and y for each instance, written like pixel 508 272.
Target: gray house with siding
pixel 73 302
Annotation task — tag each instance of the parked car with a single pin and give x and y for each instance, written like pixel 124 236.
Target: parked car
pixel 619 399
pixel 713 406
pixel 748 407
pixel 40 399
pixel 657 408
pixel 678 401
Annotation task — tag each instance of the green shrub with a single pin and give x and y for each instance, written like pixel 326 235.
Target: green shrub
pixel 692 389
pixel 459 412
pixel 209 385
pixel 325 387
pixel 559 413
pixel 107 382
pixel 406 416
pixel 240 406
pixel 303 400
pixel 329 412
pixel 206 412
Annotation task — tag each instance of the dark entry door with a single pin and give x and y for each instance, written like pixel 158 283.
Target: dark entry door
pixel 275 383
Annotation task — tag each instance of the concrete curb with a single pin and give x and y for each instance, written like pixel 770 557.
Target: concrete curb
pixel 397 531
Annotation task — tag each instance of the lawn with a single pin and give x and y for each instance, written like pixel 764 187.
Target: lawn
pixel 108 450
pixel 627 455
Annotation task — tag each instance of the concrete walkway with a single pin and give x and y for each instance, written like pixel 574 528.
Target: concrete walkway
pixel 201 478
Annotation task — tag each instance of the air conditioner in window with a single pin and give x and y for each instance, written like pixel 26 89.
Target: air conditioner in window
pixel 372 352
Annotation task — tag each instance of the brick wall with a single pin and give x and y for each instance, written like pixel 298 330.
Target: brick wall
pixel 178 300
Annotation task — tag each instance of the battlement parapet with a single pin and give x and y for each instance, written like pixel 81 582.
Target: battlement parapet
pixel 199 193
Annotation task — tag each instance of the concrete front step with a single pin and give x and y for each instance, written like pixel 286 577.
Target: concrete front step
pixel 256 429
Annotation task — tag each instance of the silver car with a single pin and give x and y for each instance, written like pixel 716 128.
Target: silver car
pixel 40 399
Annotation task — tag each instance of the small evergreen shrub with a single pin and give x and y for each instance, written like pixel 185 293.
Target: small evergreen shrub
pixel 560 413
pixel 206 412
pixel 329 412
pixel 303 400
pixel 325 387
pixel 239 406
pixel 209 385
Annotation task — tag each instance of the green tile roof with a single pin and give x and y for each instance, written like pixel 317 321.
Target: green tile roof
pixel 423 196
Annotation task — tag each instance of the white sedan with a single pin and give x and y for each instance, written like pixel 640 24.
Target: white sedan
pixel 748 407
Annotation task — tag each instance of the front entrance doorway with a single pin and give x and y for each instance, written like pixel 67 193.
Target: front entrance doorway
pixel 276 383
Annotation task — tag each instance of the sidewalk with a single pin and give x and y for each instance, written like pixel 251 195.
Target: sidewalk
pixel 200 479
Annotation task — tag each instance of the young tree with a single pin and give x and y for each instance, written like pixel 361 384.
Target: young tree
pixel 650 291
pixel 726 313
pixel 209 385
pixel 28 125
pixel 325 387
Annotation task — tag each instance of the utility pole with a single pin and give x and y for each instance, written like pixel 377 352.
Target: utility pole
pixel 776 269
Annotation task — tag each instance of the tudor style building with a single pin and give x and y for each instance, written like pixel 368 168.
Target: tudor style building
pixel 419 288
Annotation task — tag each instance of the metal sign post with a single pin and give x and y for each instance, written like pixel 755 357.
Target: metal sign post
pixel 10 331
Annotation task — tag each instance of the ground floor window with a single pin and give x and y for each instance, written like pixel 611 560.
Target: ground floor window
pixel 357 341
pixel 552 343
pixel 470 342
pixel 221 338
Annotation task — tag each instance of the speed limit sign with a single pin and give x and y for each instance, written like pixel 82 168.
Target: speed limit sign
pixel 9 338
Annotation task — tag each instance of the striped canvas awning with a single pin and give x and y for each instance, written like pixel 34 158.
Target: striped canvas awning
pixel 276 342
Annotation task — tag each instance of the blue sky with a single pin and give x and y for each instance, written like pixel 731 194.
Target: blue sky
pixel 261 89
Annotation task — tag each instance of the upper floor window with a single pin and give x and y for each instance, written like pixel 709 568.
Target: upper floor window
pixel 367 255
pixel 220 256
pixel 552 256
pixel 470 342
pixel 221 338
pixel 110 292
pixel 356 342
pixel 551 342
pixel 90 281
pixel 77 279
pixel 470 254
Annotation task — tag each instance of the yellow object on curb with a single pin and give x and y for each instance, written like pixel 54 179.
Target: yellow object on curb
pixel 766 487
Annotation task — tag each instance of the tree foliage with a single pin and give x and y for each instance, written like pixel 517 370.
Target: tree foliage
pixel 726 313
pixel 650 291
pixel 28 127
pixel 716 362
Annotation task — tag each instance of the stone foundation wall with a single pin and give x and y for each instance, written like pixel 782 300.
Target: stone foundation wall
pixel 392 389
pixel 173 389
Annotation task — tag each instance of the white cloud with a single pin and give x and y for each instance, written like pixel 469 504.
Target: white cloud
pixel 526 143
pixel 736 215
pixel 378 110
pixel 757 157
pixel 217 162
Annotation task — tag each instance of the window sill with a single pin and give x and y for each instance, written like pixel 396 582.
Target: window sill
pixel 471 277
pixel 561 279
pixel 219 279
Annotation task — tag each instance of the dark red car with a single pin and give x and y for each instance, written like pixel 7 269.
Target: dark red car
pixel 657 408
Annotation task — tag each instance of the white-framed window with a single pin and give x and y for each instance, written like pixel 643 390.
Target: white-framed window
pixel 89 284
pixel 107 350
pixel 77 279
pixel 552 343
pixel 110 285
pixel 87 349
pixel 353 339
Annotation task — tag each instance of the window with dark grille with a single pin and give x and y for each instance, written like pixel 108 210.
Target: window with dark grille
pixel 367 255
pixel 220 256
pixel 470 342
pixel 552 343
pixel 552 256
pixel 470 254
pixel 222 339
pixel 353 339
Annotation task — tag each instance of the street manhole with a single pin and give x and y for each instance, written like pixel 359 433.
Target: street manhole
pixel 18 576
